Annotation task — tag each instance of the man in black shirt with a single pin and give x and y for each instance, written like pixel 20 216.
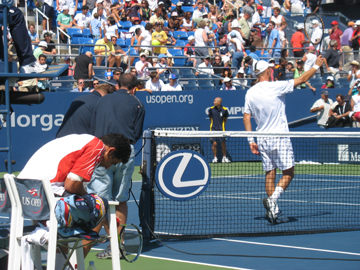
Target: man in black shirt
pixel 332 58
pixel 218 65
pixel 179 11
pixel 341 112
pixel 51 49
pixel 83 68
pixel 280 72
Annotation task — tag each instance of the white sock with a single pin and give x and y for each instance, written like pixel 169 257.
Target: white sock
pixel 277 193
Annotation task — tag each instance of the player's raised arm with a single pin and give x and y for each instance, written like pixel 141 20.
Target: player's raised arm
pixel 307 75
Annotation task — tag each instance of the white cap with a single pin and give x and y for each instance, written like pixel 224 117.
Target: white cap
pixel 179 4
pixel 99 1
pixel 204 13
pixel 241 15
pixel 271 65
pixel 331 78
pixel 191 38
pixel 235 24
pixel 225 58
pixel 300 26
pixel 161 2
pixel 357 22
pixel 109 35
pixel 227 79
pixel 65 7
pixel 42 44
pixel 315 22
pixel 241 70
pixel 260 67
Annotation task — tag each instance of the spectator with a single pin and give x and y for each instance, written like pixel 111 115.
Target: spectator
pixel 283 40
pixel 101 16
pixel 244 25
pixel 280 72
pixel 346 42
pixel 145 40
pixel 154 83
pixel 70 71
pixel 163 14
pixel 171 41
pixel 248 8
pixel 236 48
pixel 277 18
pixel 48 10
pixel 341 112
pixel 114 81
pixel 354 73
pixel 214 15
pixel 290 67
pixel 355 104
pixel 133 72
pixel 205 67
pixel 107 50
pixel 223 51
pixel 295 7
pixel 141 87
pixel 249 63
pixel 332 58
pixel 316 35
pixel 198 13
pixel 253 54
pixel 33 35
pixel 272 68
pixel 226 73
pixel 121 59
pixel 99 4
pixel 189 51
pixel 201 38
pixel 153 5
pixel 309 58
pixel 41 66
pixel 322 108
pixel 298 71
pixel 70 3
pixel 240 75
pixel 91 4
pixel 136 24
pixel 355 39
pixel 187 23
pixel 142 67
pixel 314 5
pixel 254 39
pixel 111 28
pixel 80 87
pixel 256 19
pixel 115 11
pixel 168 5
pixel 335 33
pixel 50 49
pixel 218 117
pixel 95 83
pixel 145 11
pixel 298 41
pixel 159 38
pixel 174 22
pixel 132 10
pixel 83 67
pixel 218 66
pixel 266 4
pixel 172 85
pixel 64 21
pixel 274 41
pixel 135 39
pixel 95 27
pixel 82 20
pixel 40 49
pixel 162 67
pixel 227 85
pixel 179 11
pixel 156 18
pixel 330 83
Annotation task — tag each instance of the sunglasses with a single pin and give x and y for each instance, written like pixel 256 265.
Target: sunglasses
pixel 81 82
pixel 117 73
pixel 95 83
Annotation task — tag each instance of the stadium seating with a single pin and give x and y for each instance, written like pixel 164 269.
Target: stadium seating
pixel 180 43
pixel 187 8
pixel 180 35
pixel 86 33
pixel 125 25
pixel 84 41
pixel 203 83
pixel 178 61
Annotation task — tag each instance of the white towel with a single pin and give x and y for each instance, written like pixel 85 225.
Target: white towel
pixel 39 237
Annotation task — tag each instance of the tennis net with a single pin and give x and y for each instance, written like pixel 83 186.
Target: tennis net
pixel 324 195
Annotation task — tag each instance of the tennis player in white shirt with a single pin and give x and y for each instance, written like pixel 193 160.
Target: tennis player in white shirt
pixel 265 101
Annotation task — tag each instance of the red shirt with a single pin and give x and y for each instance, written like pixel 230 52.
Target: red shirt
pixel 355 33
pixel 335 35
pixel 296 39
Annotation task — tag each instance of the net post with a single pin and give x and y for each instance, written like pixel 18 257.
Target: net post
pixel 145 211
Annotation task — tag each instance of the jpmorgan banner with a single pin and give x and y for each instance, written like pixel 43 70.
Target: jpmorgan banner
pixel 33 126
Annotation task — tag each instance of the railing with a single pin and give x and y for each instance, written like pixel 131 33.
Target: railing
pixel 58 39
pixel 237 9
pixel 37 20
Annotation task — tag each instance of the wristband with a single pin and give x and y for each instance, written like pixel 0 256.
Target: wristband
pixel 316 67
pixel 251 140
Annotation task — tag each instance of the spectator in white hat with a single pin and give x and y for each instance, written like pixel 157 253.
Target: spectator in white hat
pixel 189 51
pixel 240 75
pixel 64 21
pixel 227 85
pixel 40 49
pixel 354 72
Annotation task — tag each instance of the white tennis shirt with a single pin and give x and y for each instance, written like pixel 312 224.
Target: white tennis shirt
pixel 265 101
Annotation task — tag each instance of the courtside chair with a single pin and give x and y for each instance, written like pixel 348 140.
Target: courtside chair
pixel 75 250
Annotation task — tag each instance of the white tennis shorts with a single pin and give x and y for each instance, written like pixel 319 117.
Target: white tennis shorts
pixel 276 153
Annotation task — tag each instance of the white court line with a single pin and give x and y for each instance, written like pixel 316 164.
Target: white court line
pixel 285 246
pixel 175 260
pixel 295 179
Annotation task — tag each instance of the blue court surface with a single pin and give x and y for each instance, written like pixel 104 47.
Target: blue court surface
pixel 262 252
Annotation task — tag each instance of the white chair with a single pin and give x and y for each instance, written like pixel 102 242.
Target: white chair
pixel 16 232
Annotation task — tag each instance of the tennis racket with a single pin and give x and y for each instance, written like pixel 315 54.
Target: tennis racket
pixel 314 31
pixel 130 242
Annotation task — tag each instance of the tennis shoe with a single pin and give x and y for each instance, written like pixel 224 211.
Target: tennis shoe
pixel 281 218
pixel 215 160
pixel 225 160
pixel 270 217
pixel 105 254
pixel 270 204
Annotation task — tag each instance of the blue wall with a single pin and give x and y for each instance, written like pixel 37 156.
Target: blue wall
pixel 35 125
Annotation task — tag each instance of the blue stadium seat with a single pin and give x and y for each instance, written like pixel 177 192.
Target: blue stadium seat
pixel 187 8
pixel 184 72
pixel 174 2
pixel 239 87
pixel 72 31
pixel 86 33
pixel 125 25
pixel 343 82
pixel 99 73
pixel 187 83
pixel 121 42
pixel 143 23
pixel 180 35
pixel 190 88
pixel 206 87
pixel 217 87
pixel 315 80
pixel 317 85
pixel 177 61
pixel 83 49
pixel 203 83
pixel 180 43
pixel 66 78
pixel 191 33
pixel 175 71
pixel 203 75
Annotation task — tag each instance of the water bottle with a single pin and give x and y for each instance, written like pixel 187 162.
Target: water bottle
pixel 91 266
